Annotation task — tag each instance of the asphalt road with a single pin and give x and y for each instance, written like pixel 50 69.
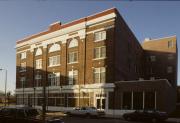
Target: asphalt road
pixel 93 120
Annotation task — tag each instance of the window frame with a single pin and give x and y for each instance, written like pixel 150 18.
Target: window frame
pixel 54 59
pixel 100 33
pixel 72 62
pixel 100 53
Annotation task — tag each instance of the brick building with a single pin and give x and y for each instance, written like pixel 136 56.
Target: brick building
pixel 87 61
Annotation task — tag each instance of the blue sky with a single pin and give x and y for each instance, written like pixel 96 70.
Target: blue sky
pixel 23 18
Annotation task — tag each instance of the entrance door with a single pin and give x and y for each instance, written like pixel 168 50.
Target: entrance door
pixel 100 103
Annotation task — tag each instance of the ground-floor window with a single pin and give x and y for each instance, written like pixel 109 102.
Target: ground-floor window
pixel 138 100
pixel 149 100
pixel 127 100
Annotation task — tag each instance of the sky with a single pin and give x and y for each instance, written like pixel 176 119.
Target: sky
pixel 21 18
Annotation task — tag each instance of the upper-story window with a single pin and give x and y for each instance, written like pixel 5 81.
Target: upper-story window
pixel 100 75
pixel 73 77
pixel 73 43
pixel 23 55
pixel 23 67
pixel 73 57
pixel 98 36
pixel 54 79
pixel 153 58
pixel 22 82
pixel 54 60
pixel 170 56
pixel 38 80
pixel 54 47
pixel 38 52
pixel 39 64
pixel 100 52
pixel 169 69
pixel 170 44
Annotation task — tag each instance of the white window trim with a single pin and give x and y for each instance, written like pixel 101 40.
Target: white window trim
pixel 24 68
pixel 54 48
pixel 23 55
pixel 73 61
pixel 100 57
pixel 38 52
pixel 100 39
pixel 72 43
pixel 55 64
pixel 38 67
pixel 55 75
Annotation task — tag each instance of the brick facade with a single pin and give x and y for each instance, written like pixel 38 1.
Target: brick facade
pixel 121 58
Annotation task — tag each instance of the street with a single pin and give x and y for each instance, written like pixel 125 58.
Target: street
pixel 93 120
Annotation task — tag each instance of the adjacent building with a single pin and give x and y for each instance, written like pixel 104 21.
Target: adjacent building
pixel 96 61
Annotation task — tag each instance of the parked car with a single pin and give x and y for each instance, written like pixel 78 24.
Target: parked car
pixel 146 115
pixel 24 115
pixel 85 111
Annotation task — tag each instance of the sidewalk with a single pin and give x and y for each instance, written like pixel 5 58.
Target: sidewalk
pixel 173 120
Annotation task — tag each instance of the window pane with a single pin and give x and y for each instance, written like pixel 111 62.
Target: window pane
pixel 127 99
pixel 103 52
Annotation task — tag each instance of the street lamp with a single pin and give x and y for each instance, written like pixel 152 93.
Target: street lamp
pixel 5 82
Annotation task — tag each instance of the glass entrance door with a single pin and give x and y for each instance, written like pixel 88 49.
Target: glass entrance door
pixel 100 103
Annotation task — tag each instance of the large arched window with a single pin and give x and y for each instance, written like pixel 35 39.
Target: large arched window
pixel 54 47
pixel 38 52
pixel 73 43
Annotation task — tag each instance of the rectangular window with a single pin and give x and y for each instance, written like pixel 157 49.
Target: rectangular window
pixel 38 81
pixel 23 55
pixel 169 69
pixel 54 79
pixel 153 58
pixel 39 64
pixel 22 81
pixel 98 36
pixel 54 60
pixel 73 77
pixel 100 52
pixel 170 44
pixel 72 57
pixel 127 100
pixel 23 67
pixel 149 100
pixel 170 56
pixel 100 75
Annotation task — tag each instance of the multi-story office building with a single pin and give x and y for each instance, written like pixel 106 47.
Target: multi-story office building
pixel 89 62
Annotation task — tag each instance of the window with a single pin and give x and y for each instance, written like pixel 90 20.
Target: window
pixel 23 67
pixel 99 52
pixel 39 64
pixel 38 52
pixel 100 75
pixel 22 81
pixel 23 55
pixel 153 58
pixel 169 69
pixel 54 60
pixel 170 56
pixel 170 44
pixel 73 77
pixel 54 79
pixel 73 43
pixel 38 79
pixel 127 100
pixel 54 47
pixel 72 57
pixel 98 36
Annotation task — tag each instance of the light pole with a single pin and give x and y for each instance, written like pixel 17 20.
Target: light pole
pixel 5 83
